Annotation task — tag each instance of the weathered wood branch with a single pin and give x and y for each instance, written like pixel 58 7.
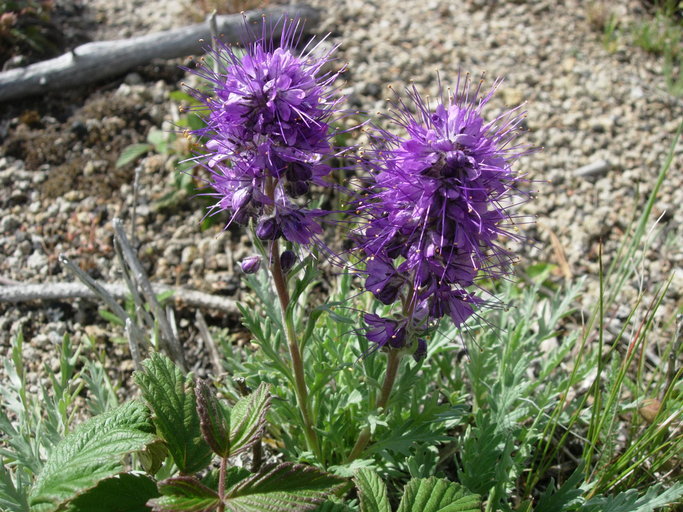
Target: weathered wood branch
pixel 98 60
pixel 61 291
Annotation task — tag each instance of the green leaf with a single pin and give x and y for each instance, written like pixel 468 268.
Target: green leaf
pixel 331 506
pixel 12 499
pixel 437 495
pixel 248 419
pixel 126 492
pixel 557 500
pixel 111 317
pixel 282 488
pixel 153 457
pixel 158 139
pixel 629 501
pixel 181 96
pixel 170 396
pixel 372 491
pixel 212 419
pixel 92 452
pixel 132 153
pixel 184 494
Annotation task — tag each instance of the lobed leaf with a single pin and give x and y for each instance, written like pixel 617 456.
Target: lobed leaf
pixel 372 491
pixel 170 396
pixel 630 501
pixel 92 452
pixel 12 498
pixel 437 495
pixel 282 488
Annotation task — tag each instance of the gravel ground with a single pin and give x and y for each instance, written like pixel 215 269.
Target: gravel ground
pixel 60 190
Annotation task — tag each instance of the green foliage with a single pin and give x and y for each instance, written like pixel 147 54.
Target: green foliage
pixel 186 494
pixel 372 492
pixel 437 495
pixel 170 395
pixel 13 498
pixel 27 29
pixel 282 488
pixel 248 419
pixel 423 494
pixel 94 451
pixel 213 420
pixel 125 492
pixel 93 467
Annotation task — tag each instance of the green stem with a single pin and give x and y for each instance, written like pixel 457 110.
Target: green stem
pixel 294 352
pixel 393 361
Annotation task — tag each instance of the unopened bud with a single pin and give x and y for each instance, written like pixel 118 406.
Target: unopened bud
pixel 421 350
pixel 287 260
pixel 251 264
pixel 268 229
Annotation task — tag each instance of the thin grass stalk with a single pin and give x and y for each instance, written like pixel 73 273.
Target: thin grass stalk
pixel 593 431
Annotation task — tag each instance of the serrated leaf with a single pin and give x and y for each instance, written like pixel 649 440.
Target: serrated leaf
pixel 126 492
pixel 170 395
pixel 282 488
pixel 132 153
pixel 184 494
pixel 235 475
pixel 437 495
pixel 92 452
pixel 331 506
pixel 212 419
pixel 248 419
pixel 372 491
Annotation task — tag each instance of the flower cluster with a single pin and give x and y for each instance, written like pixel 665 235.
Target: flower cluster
pixel 436 211
pixel 268 131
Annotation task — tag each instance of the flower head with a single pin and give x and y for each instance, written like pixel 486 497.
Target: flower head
pixel 268 130
pixel 439 202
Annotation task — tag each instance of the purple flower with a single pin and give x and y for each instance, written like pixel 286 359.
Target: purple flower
pixel 382 279
pixel 251 264
pixel 384 331
pixel 268 130
pixel 438 204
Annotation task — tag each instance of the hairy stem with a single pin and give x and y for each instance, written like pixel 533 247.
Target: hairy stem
pixel 294 352
pixel 393 361
pixel 221 484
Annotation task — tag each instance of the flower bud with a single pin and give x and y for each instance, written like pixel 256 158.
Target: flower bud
pixel 297 188
pixel 421 350
pixel 287 260
pixel 241 197
pixel 268 229
pixel 251 264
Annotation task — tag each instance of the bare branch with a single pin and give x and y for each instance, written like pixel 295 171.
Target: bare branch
pixel 103 59
pixel 61 291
